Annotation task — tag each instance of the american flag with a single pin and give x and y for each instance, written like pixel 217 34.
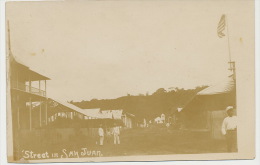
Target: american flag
pixel 221 26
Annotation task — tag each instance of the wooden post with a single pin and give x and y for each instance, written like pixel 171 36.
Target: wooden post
pixel 30 84
pixel 40 87
pixel 46 113
pixel 40 104
pixel 30 113
pixel 46 104
pixel 40 113
pixel 126 120
pixel 45 88
pixel 17 84
pixel 18 112
pixel 12 147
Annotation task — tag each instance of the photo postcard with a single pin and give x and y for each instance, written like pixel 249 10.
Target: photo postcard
pixel 144 80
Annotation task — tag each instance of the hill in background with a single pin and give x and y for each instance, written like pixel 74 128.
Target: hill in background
pixel 145 106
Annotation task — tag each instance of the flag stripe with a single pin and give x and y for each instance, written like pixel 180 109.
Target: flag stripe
pixel 221 26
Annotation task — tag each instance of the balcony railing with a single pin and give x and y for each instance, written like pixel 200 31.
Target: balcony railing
pixel 27 88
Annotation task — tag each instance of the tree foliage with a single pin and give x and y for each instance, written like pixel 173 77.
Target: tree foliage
pixel 145 106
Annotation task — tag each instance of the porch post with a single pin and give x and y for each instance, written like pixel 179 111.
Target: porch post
pixel 17 84
pixel 18 112
pixel 45 88
pixel 40 87
pixel 40 113
pixel 46 108
pixel 30 84
pixel 30 113
pixel 46 113
pixel 125 121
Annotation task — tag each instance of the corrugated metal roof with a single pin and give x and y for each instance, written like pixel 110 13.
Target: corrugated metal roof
pixel 225 86
pixel 70 106
pixel 104 114
pixel 94 113
pixel 117 114
pixel 215 97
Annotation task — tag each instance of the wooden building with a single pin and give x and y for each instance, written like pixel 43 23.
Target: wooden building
pixel 206 111
pixel 24 96
pixel 128 120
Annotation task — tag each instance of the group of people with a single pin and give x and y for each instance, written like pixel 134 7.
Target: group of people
pixel 108 133
pixel 229 130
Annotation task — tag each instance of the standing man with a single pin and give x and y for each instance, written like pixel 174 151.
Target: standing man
pixel 108 135
pixel 116 132
pixel 229 129
pixel 101 135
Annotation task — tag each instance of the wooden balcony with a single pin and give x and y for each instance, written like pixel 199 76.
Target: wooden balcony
pixel 27 88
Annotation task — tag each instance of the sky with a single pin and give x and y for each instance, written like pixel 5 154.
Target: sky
pixel 108 49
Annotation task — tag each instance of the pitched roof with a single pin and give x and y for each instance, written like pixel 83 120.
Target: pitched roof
pixel 34 74
pixel 224 86
pixel 70 106
pixel 112 114
pixel 94 113
pixel 215 97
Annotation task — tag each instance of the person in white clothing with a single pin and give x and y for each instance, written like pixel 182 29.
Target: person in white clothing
pixel 116 133
pixel 101 135
pixel 229 129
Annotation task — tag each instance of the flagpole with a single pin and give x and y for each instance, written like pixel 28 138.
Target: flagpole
pixel 228 41
pixel 231 63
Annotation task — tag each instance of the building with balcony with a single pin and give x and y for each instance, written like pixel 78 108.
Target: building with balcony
pixel 28 88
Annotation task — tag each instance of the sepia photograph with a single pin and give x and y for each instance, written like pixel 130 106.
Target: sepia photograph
pixel 143 80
